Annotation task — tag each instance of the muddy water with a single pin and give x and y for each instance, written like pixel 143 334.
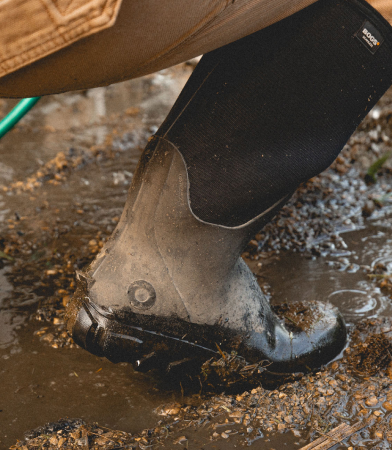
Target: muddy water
pixel 340 278
pixel 40 384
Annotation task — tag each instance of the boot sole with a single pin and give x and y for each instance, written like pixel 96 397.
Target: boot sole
pixel 123 336
pixel 100 333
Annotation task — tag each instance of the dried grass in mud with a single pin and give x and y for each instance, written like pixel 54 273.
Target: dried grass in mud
pixel 357 388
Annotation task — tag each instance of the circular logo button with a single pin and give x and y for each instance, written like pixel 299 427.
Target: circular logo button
pixel 141 295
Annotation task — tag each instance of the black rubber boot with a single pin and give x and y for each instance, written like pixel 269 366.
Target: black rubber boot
pixel 255 119
pixel 171 286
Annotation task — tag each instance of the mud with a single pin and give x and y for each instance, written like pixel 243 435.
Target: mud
pixel 298 411
pixel 65 173
pixel 371 356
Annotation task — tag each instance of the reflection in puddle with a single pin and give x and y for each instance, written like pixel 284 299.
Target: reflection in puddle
pixel 357 305
pixel 386 261
pixel 10 320
pixel 343 281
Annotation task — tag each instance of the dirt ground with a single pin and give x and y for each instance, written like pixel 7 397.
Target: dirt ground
pixel 64 176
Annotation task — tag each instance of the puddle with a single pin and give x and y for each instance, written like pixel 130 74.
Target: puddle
pixel 41 385
pixel 10 320
pixel 340 278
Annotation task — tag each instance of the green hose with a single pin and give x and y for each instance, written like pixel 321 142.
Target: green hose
pixel 13 117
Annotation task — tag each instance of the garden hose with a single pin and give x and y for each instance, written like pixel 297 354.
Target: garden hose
pixel 13 117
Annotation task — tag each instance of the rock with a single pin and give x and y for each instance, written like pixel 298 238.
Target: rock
pixel 75 435
pixel 53 440
pixel 180 440
pixel 335 366
pixel 83 442
pixel 371 401
pixel 225 435
pixel 368 209
pixel 236 415
pixel 48 338
pixel 51 272
pixel 387 406
pixel 170 410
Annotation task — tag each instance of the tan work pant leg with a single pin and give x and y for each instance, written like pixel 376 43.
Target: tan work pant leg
pixel 149 35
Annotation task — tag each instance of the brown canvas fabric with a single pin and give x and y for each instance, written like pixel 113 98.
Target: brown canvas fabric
pixel 384 7
pixel 144 36
pixel 148 35
pixel 32 29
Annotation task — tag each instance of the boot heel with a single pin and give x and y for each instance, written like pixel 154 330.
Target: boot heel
pixel 102 334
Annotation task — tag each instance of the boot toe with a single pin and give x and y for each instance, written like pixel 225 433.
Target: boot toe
pixel 308 336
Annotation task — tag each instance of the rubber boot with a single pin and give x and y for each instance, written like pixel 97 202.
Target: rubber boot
pixel 167 285
pixel 255 119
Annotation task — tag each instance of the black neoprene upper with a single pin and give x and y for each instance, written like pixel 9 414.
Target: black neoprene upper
pixel 263 114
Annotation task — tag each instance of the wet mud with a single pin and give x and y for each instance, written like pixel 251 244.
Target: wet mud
pixel 65 172
pixel 298 411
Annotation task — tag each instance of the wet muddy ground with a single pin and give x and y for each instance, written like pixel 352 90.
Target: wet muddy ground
pixel 64 175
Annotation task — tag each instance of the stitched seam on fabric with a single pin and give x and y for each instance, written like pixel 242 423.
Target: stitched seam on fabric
pixel 67 8
pixel 55 24
pixel 108 5
pixel 51 35
pixel 56 33
pixel 77 29
pixel 78 13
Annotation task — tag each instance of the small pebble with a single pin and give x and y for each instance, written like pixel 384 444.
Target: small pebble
pixel 180 440
pixel 387 406
pixel 371 401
